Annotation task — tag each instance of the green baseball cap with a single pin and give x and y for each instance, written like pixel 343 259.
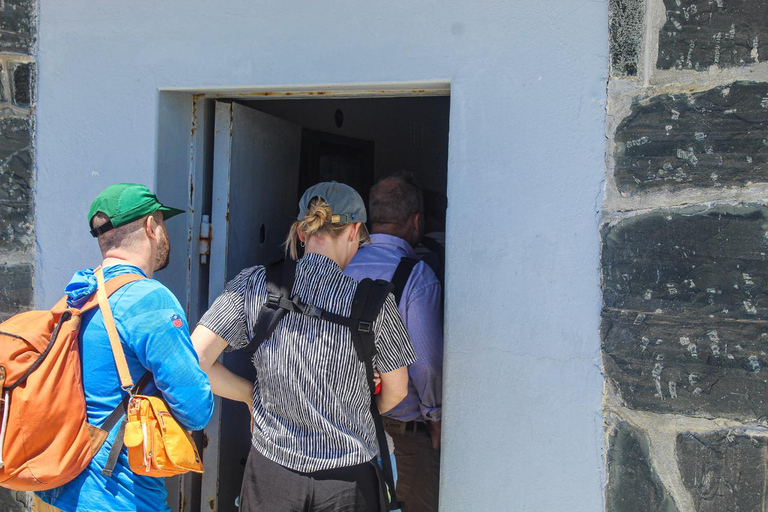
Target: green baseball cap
pixel 346 204
pixel 124 203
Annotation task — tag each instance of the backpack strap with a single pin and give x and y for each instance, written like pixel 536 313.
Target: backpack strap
pixel 280 275
pixel 401 275
pixel 110 287
pixel 126 382
pixel 118 413
pixel 366 306
pixel 369 299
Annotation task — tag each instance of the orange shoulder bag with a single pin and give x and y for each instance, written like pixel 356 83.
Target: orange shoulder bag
pixel 157 445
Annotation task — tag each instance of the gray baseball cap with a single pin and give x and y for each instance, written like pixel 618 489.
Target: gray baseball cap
pixel 346 204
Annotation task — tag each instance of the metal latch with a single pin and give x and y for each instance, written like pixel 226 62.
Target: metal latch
pixel 204 244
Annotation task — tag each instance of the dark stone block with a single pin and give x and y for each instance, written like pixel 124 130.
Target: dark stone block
pixel 713 138
pixel 16 226
pixel 625 23
pixel 702 33
pixel 14 501
pixel 15 288
pixel 633 484
pixel 16 194
pixel 724 471
pixel 17 26
pixel 15 136
pixel 3 97
pixel 685 316
pixel 23 84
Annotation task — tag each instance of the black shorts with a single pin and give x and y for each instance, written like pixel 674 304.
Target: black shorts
pixel 270 487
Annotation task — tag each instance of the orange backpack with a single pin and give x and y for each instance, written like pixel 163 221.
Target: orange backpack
pixel 45 437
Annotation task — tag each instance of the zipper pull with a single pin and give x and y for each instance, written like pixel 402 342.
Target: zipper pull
pixel 147 453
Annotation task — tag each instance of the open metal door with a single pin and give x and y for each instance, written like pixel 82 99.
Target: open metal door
pixel 255 179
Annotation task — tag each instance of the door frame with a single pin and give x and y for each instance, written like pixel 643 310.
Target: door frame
pixel 185 149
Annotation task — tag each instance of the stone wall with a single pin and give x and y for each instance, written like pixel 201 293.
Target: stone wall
pixel 18 38
pixel 685 256
pixel 17 103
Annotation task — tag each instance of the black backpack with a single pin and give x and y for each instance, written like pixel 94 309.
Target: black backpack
pixel 366 305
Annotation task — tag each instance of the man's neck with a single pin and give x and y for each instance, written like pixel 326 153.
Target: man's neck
pixel 119 260
pixel 390 229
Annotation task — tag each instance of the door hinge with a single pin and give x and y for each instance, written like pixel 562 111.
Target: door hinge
pixel 204 244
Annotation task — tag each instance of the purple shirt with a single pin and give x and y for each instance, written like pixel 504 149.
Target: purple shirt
pixel 421 309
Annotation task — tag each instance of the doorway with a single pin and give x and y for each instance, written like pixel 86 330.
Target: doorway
pixel 263 154
pixel 330 157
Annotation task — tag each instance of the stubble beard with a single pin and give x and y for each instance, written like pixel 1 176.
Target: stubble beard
pixel 163 251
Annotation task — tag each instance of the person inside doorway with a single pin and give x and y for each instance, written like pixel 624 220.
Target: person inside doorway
pixel 314 441
pixel 397 223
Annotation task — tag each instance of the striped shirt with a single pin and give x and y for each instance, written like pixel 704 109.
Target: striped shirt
pixel 311 404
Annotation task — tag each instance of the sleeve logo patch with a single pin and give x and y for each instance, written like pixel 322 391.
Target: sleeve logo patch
pixel 177 321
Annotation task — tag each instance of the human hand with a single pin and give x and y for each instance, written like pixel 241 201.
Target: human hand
pixel 377 381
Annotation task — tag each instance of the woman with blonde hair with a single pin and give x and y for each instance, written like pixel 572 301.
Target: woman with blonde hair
pixel 314 441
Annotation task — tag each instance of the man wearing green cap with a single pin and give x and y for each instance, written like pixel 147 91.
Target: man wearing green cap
pixel 129 224
pixel 115 217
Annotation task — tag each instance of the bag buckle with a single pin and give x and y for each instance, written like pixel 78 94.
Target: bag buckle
pixel 306 309
pixel 313 311
pixel 131 391
pixel 273 301
pixel 364 327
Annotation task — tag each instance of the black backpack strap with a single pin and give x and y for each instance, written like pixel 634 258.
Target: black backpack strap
pixel 401 275
pixel 118 413
pixel 280 276
pixel 117 445
pixel 435 258
pixel 366 306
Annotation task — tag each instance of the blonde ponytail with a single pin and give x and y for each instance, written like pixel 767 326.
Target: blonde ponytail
pixel 317 221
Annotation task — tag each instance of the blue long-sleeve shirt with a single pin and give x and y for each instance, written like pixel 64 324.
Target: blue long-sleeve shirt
pixel 155 337
pixel 421 309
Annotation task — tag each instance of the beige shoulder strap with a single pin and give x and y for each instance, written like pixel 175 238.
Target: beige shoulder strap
pixel 111 287
pixel 114 338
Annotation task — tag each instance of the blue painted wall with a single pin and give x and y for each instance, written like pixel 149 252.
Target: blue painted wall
pixel 523 420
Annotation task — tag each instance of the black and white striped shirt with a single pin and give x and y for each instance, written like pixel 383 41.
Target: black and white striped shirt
pixel 311 402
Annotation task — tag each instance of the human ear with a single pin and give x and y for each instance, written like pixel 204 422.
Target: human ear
pixel 354 233
pixel 418 224
pixel 149 228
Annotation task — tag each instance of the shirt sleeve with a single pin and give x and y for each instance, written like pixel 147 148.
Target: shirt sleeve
pixel 153 325
pixel 423 317
pixel 226 317
pixel 393 345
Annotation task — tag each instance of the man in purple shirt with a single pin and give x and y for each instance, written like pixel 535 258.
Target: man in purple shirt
pixel 397 222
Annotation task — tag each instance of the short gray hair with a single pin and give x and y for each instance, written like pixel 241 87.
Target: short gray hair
pixel 395 198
